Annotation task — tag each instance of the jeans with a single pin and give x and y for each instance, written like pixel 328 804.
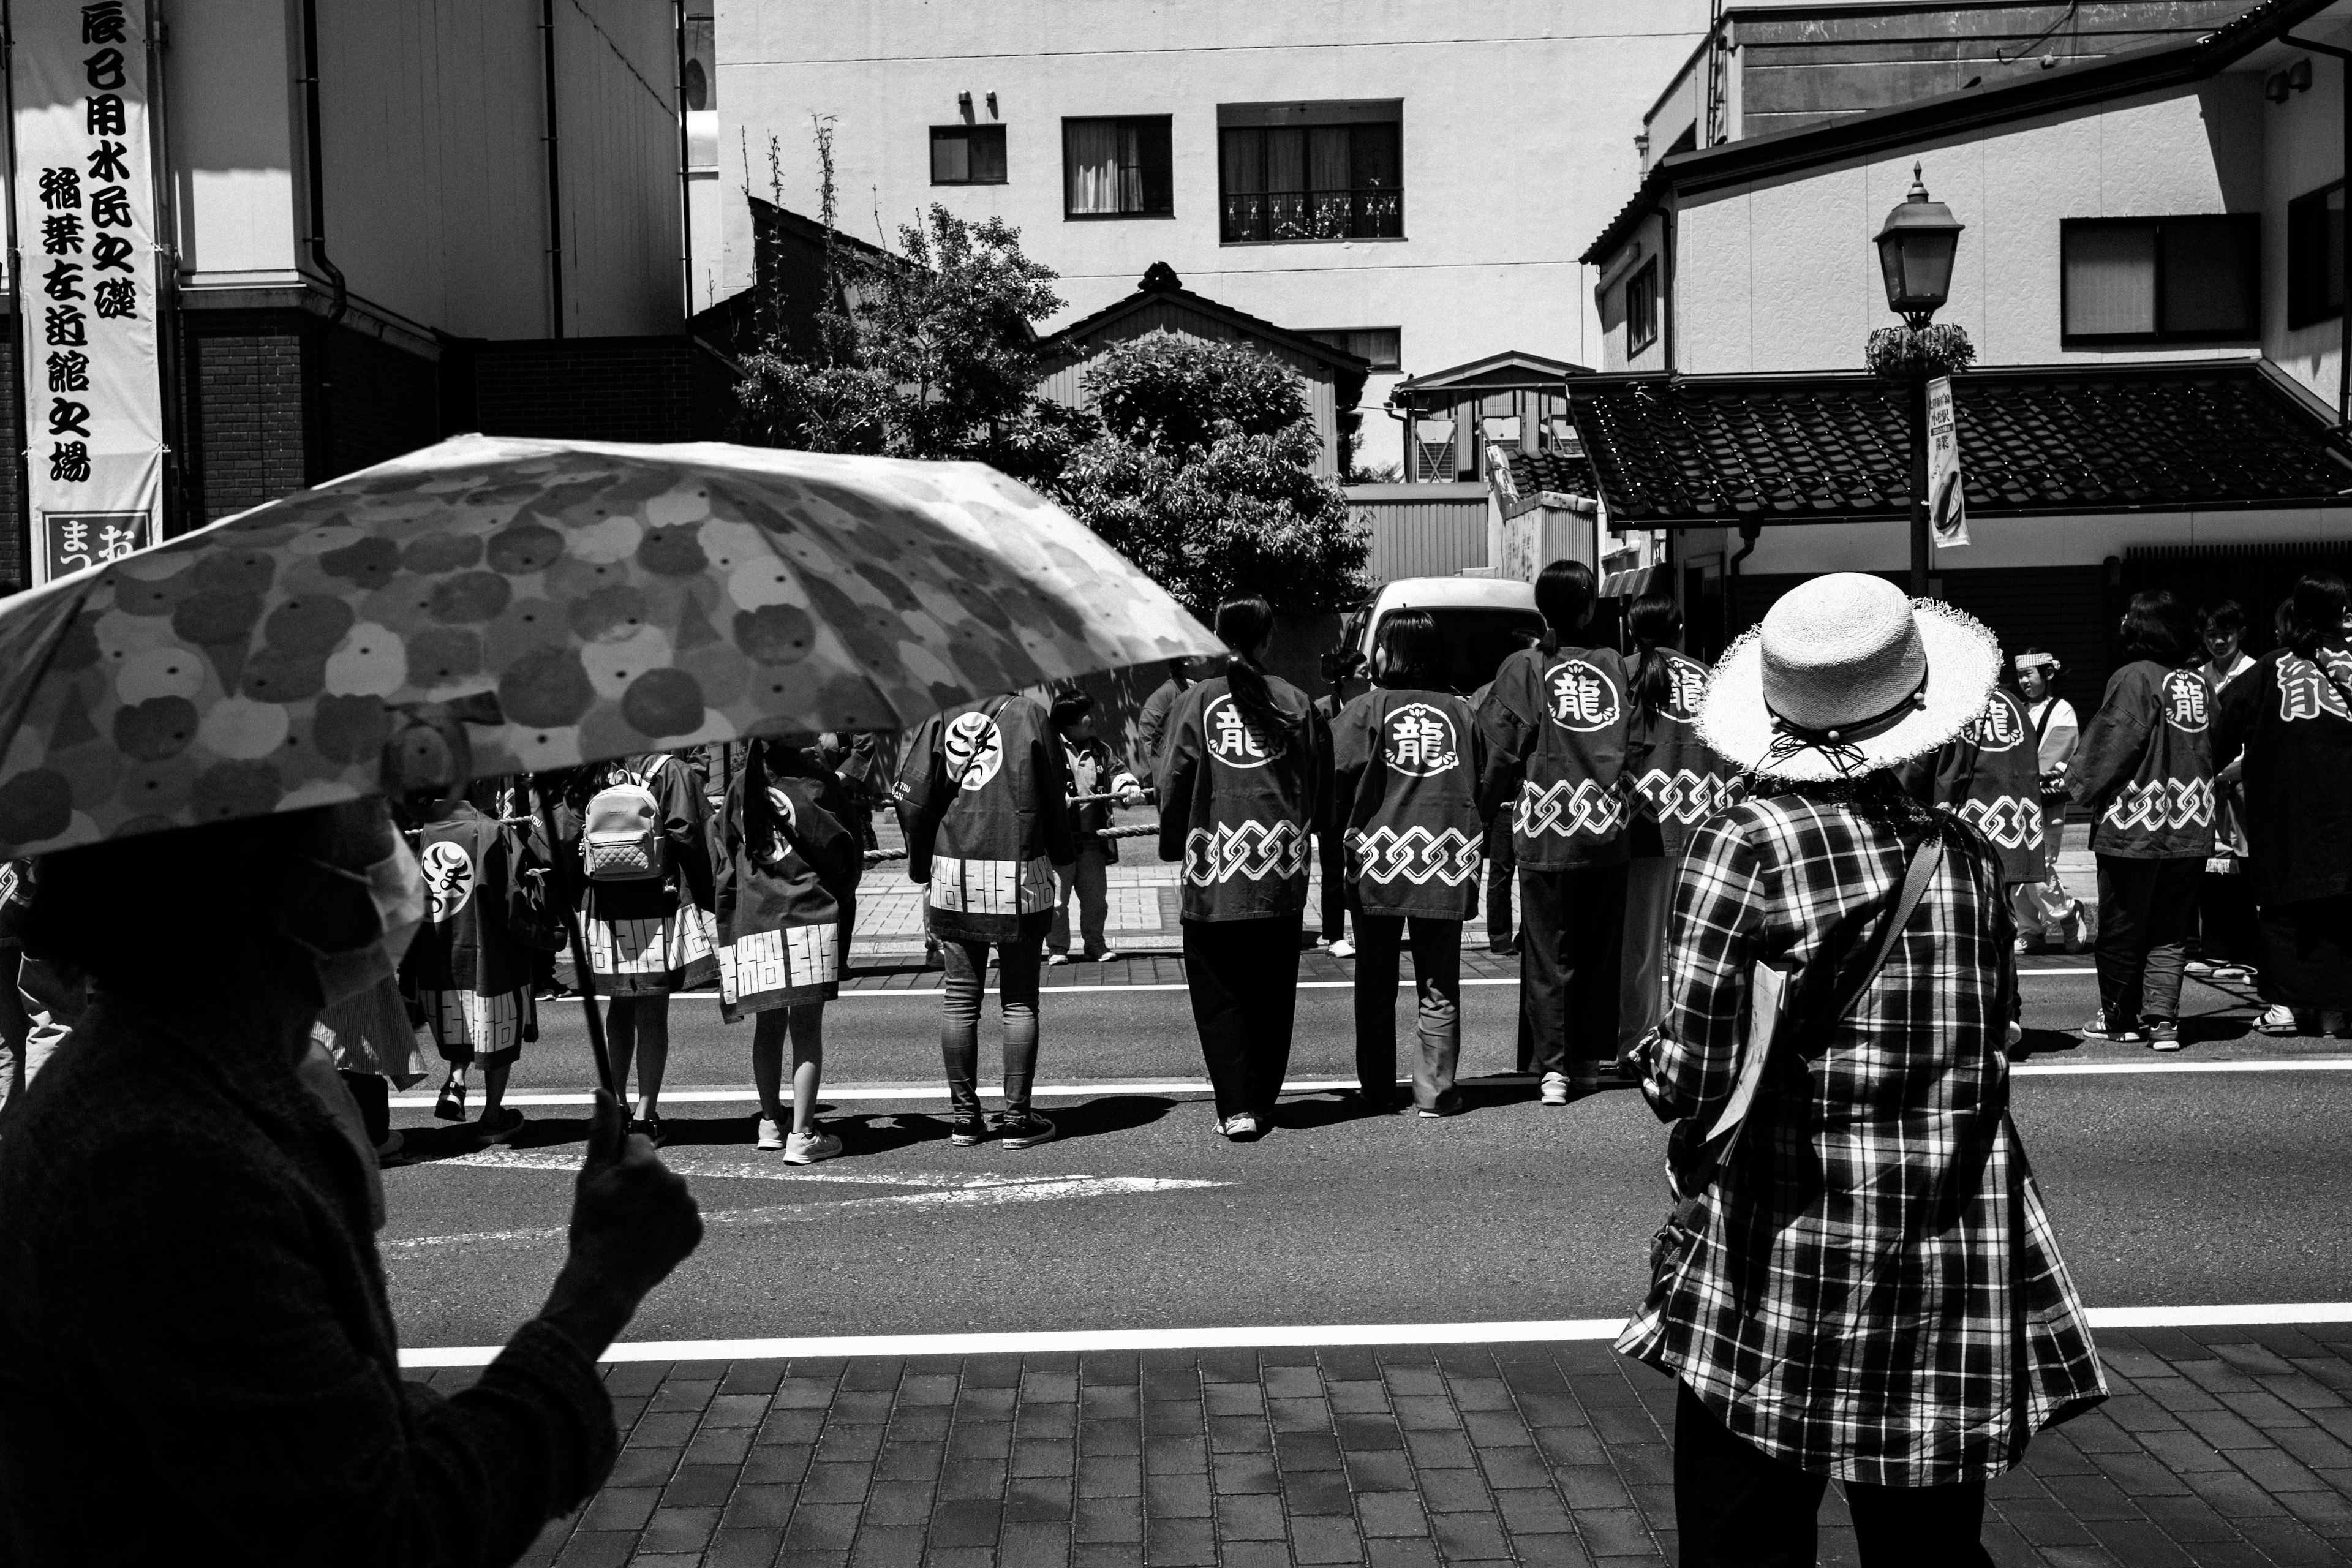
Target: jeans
pixel 2147 912
pixel 1437 983
pixel 1642 988
pixel 1572 953
pixel 967 970
pixel 1088 876
pixel 1244 977
pixel 1737 1507
pixel 1501 865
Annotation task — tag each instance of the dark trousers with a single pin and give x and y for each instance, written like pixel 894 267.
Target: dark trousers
pixel 1333 902
pixel 1502 865
pixel 2147 912
pixel 1737 1507
pixel 1016 986
pixel 2227 928
pixel 374 1098
pixel 1437 982
pixel 1571 954
pixel 1244 977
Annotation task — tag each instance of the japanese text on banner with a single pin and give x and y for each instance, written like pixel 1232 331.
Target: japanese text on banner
pixel 1947 500
pixel 85 200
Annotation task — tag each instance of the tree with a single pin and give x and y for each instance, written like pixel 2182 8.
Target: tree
pixel 928 353
pixel 1204 476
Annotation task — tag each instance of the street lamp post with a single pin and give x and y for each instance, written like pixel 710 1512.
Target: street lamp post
pixel 1915 251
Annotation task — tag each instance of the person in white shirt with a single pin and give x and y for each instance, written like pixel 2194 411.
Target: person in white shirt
pixel 2228 936
pixel 2045 911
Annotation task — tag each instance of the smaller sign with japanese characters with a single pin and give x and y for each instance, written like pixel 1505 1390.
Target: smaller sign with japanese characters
pixel 1947 500
pixel 86 222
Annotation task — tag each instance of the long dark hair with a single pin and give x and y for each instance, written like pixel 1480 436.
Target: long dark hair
pixel 2156 627
pixel 1408 652
pixel 1242 625
pixel 1564 592
pixel 1656 621
pixel 2314 613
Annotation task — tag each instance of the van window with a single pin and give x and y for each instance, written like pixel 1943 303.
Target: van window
pixel 1477 641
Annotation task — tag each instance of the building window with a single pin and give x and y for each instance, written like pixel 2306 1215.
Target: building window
pixel 1383 346
pixel 2315 255
pixel 1117 168
pixel 2163 280
pixel 1642 310
pixel 1310 171
pixel 966 154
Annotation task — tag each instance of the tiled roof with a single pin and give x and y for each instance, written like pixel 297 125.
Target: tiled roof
pixel 1551 469
pixel 1708 450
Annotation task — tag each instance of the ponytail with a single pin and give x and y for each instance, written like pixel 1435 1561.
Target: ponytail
pixel 1655 621
pixel 1242 625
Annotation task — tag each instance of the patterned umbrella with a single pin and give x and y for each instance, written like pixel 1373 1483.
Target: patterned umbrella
pixel 570 602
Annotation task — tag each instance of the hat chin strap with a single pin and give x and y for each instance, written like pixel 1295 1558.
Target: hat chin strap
pixel 1841 745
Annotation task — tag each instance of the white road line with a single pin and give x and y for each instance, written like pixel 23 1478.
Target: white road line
pixel 919 1091
pixel 1312 1336
pixel 1033 1191
pixel 689 1164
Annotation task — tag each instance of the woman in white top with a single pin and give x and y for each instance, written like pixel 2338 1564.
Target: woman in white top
pixel 2045 911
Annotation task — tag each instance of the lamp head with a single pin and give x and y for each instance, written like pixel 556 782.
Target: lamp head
pixel 1915 249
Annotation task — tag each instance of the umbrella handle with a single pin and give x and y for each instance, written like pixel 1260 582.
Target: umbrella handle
pixel 583 980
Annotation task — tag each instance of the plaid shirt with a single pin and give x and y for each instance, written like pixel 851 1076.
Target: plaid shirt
pixel 1876 1294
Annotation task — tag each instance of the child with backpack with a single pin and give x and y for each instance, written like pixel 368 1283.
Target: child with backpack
pixel 487 909
pixel 646 904
pixel 786 864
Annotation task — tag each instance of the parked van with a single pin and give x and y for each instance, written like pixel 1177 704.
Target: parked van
pixel 1481 620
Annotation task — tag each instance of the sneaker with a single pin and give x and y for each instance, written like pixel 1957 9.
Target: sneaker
pixel 2278 1020
pixel 1055 960
pixel 2030 944
pixel 499 1126
pixel 2015 1037
pixel 807 1148
pixel 967 1129
pixel 1506 948
pixel 651 1127
pixel 1343 948
pixel 1106 956
pixel 2197 966
pixel 772 1133
pixel 451 1104
pixel 1240 1128
pixel 1024 1128
pixel 2097 1029
pixel 2233 972
pixel 1555 1088
pixel 2164 1034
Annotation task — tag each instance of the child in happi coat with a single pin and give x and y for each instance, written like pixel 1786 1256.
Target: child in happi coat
pixel 784 863
pixel 487 909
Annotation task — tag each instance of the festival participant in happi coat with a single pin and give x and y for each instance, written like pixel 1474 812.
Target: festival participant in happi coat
pixel 1093 771
pixel 646 898
pixel 2299 814
pixel 1557 722
pixel 1406 760
pixel 983 798
pixel 1152 723
pixel 487 909
pixel 2146 770
pixel 786 863
pixel 1678 784
pixel 1859 1279
pixel 2229 939
pixel 1244 784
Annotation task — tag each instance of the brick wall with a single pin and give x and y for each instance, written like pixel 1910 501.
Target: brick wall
pixel 245 409
pixel 378 401
pixel 587 389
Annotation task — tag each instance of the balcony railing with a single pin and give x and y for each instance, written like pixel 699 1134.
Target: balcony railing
pixel 1314 215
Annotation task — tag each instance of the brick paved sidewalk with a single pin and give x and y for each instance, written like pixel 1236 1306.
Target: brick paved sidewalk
pixel 2223 1447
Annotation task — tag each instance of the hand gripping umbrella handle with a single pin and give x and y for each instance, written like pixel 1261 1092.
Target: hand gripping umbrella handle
pixel 583 980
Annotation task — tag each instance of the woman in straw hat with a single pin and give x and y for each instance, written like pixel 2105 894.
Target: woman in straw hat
pixel 1864 1285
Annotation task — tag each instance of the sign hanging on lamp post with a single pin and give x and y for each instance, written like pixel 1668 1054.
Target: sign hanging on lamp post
pixel 1948 502
pixel 85 269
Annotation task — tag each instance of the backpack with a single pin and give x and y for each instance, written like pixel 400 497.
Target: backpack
pixel 621 838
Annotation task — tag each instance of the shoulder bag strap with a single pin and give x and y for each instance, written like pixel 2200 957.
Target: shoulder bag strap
pixel 1764 1012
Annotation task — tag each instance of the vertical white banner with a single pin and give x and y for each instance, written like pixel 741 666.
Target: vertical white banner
pixel 85 200
pixel 1947 500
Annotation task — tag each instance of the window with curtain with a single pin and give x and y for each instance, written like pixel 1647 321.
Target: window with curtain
pixel 2315 255
pixel 1306 181
pixel 2193 279
pixel 1642 310
pixel 966 154
pixel 1382 346
pixel 1117 167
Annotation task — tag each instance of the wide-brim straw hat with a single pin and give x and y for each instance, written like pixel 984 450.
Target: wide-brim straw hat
pixel 1846 674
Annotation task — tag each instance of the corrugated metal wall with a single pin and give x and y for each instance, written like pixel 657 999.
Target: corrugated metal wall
pixel 1421 530
pixel 1064 383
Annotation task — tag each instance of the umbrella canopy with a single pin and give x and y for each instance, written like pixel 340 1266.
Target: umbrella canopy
pixel 572 601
